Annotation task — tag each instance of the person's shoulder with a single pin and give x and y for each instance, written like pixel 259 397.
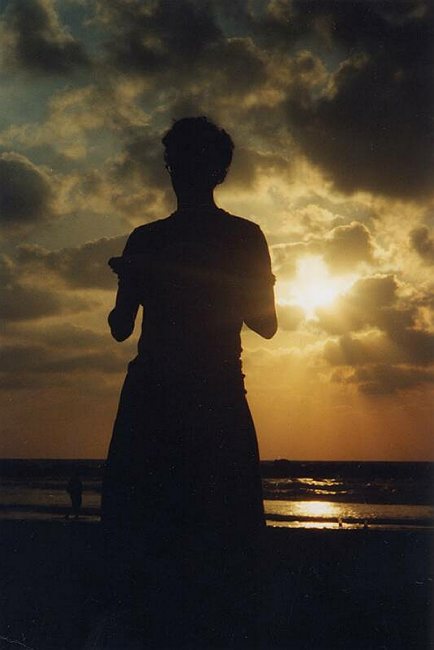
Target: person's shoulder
pixel 241 222
pixel 152 226
pixel 246 228
pixel 143 234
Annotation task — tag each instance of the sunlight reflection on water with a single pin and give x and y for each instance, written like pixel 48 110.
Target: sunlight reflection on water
pixel 321 482
pixel 328 514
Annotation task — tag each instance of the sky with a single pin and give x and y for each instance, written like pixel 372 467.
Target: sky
pixel 330 105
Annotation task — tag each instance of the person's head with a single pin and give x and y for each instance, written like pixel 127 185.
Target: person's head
pixel 197 153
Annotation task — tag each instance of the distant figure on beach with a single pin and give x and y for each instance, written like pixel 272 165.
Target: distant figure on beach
pixel 183 461
pixel 75 491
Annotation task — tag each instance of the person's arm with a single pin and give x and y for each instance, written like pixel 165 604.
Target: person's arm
pixel 122 317
pixel 260 311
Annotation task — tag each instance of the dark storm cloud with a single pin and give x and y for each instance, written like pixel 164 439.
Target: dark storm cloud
pixel 423 243
pixel 371 128
pixel 82 267
pixel 148 36
pixel 238 65
pixel 180 45
pixel 25 192
pixel 36 41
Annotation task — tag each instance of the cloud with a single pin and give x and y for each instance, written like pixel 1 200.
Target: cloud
pixel 348 245
pixel 416 344
pixel 26 194
pixel 250 66
pixel 367 303
pixel 24 366
pixel 285 256
pixel 142 160
pixel 64 335
pixel 23 297
pixel 423 243
pixel 25 303
pixel 334 211
pixel 382 146
pixel 387 379
pixel 399 345
pixel 378 327
pixel 154 41
pixel 58 355
pixel 148 37
pixel 384 143
pixel 249 167
pixel 80 117
pixel 36 41
pixel 343 248
pixel 81 267
pixel 371 347
pixel 289 317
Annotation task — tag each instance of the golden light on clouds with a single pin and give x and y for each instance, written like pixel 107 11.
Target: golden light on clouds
pixel 313 286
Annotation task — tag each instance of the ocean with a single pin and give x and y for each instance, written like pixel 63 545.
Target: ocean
pixel 296 494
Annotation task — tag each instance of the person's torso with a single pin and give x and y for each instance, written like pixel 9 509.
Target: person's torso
pixel 192 269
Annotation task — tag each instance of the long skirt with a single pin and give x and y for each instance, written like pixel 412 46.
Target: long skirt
pixel 183 455
pixel 182 509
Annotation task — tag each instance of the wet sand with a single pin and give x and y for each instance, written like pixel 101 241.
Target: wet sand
pixel 322 589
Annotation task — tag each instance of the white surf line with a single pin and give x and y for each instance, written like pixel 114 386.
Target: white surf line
pixel 15 642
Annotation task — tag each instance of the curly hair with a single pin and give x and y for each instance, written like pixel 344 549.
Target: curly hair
pixel 196 147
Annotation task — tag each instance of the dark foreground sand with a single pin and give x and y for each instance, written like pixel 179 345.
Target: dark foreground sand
pixel 330 589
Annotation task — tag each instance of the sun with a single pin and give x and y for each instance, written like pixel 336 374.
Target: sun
pixel 313 286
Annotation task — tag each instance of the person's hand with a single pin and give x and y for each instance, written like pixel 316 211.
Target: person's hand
pixel 117 265
pixel 125 267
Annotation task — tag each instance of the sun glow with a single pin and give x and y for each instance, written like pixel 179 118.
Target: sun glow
pixel 313 286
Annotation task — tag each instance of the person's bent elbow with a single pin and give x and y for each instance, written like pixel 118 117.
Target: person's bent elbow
pixel 270 331
pixel 266 328
pixel 120 327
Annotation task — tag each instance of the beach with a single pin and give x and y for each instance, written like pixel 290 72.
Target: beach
pixel 352 589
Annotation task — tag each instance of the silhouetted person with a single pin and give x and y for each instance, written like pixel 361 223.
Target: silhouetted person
pixel 182 472
pixel 75 491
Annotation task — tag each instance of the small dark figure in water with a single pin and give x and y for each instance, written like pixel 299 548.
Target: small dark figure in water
pixel 75 491
pixel 182 498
